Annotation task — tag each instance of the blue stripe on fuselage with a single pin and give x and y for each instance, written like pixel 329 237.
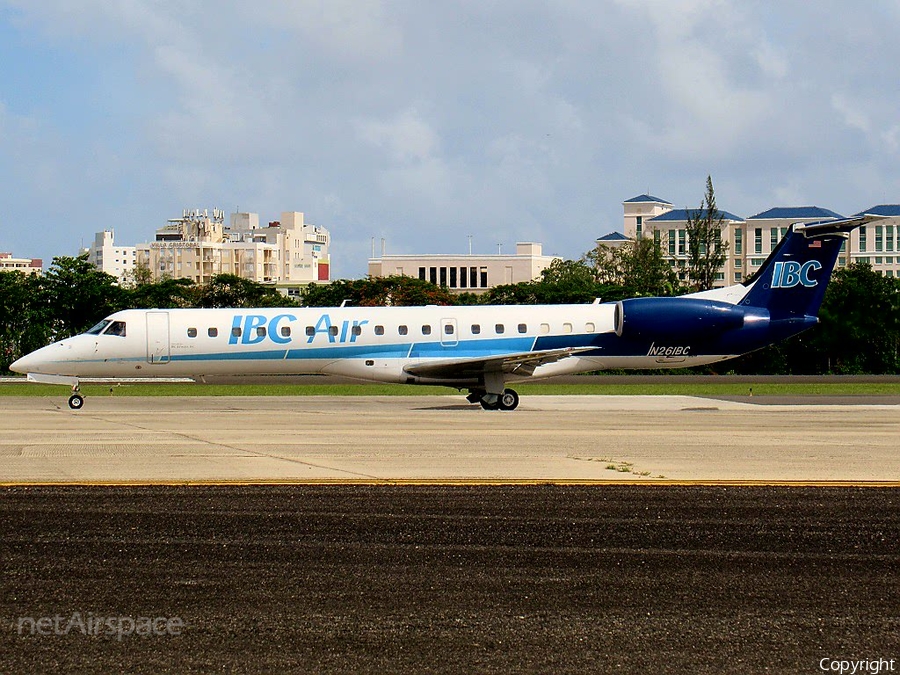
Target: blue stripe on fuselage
pixel 417 350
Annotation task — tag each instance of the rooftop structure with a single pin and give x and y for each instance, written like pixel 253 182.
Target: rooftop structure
pixel 288 253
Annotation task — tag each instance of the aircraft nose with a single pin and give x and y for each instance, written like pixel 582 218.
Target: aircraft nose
pixel 33 362
pixel 26 364
pixel 21 365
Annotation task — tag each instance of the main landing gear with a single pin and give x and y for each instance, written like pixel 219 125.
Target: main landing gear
pixel 508 400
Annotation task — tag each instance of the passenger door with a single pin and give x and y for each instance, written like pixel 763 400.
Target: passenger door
pixel 158 349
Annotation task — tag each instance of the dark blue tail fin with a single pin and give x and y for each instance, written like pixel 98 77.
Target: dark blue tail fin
pixel 791 282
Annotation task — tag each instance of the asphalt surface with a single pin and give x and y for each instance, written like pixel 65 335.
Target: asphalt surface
pixel 608 579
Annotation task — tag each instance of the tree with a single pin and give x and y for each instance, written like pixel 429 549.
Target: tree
pixel 165 294
pixel 24 314
pixel 78 295
pixel 638 267
pixel 564 281
pixel 395 291
pixel 706 251
pixel 859 330
pixel 229 290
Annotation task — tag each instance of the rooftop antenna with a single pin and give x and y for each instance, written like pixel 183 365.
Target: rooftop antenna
pixel 470 244
pixel 499 246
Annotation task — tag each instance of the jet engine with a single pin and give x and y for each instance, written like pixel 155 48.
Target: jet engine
pixel 675 319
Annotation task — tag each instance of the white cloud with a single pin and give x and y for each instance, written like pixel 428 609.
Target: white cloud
pixel 406 137
pixel 403 119
pixel 851 114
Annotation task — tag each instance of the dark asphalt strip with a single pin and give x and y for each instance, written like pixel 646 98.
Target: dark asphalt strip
pixel 269 579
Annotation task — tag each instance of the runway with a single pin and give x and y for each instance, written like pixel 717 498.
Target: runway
pixel 421 534
pixel 124 440
pixel 438 579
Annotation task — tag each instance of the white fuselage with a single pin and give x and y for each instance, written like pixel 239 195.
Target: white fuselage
pixel 370 343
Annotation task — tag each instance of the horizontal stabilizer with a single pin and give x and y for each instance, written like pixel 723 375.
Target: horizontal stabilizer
pixel 826 227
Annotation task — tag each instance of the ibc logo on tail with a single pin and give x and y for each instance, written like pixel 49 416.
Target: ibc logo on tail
pixel 790 273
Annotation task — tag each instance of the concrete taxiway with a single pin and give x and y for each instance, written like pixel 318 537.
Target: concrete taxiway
pixel 442 438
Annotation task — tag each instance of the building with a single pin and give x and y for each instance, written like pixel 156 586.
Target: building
pixel 288 253
pixel 22 265
pixel 752 239
pixel 764 230
pixel 467 273
pixel 879 243
pixel 115 260
pixel 640 209
pixel 612 240
pixel 670 230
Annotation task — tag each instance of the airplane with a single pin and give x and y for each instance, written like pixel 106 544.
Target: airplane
pixel 480 349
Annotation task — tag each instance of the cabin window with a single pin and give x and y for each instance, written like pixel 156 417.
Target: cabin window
pixel 476 329
pixel 545 328
pixel 192 332
pixel 499 329
pixel 426 330
pixel 333 331
pixel 286 331
pixel 356 330
pixel 212 332
pixel 523 328
pixel 379 330
pixel 261 331
pixel 589 327
pixel 403 330
pixel 310 331
pixel 448 329
pixel 567 328
pixel 236 331
pixel 116 328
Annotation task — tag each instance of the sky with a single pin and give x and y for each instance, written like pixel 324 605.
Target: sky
pixel 422 122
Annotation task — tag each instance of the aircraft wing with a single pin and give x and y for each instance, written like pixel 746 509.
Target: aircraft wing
pixel 523 363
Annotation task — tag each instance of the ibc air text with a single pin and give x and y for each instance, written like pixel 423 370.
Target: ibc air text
pixel 852 667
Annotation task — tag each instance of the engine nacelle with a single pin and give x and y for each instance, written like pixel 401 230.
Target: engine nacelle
pixel 675 319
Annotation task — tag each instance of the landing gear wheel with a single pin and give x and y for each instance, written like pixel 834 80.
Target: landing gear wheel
pixel 76 401
pixel 508 400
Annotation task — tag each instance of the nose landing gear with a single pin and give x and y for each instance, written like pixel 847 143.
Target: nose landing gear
pixel 76 400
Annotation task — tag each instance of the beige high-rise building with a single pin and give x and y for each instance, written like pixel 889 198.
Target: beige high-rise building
pixel 199 245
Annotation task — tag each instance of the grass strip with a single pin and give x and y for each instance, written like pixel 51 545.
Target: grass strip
pixel 525 389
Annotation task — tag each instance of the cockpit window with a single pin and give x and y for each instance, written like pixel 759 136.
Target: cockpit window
pixel 116 328
pixel 96 330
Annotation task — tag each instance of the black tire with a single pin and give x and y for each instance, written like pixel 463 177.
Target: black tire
pixel 509 400
pixel 76 401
